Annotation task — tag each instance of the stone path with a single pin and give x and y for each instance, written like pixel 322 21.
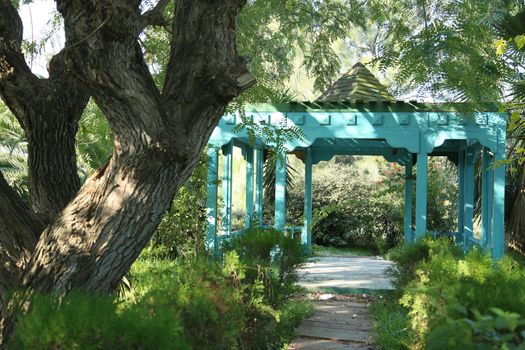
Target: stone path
pixel 345 273
pixel 341 321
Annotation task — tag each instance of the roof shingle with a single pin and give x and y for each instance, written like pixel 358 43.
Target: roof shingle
pixel 358 84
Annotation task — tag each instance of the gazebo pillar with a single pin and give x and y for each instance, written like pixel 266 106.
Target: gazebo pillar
pixel 306 235
pixel 211 201
pixel 259 170
pixel 486 197
pixel 498 228
pixel 227 167
pixel 249 187
pixel 408 202
pixel 421 194
pixel 280 191
pixel 468 216
pixel 461 198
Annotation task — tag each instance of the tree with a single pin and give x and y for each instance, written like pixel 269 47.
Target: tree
pixel 48 110
pixel 158 135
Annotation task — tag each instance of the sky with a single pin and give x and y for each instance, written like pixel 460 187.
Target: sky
pixel 36 18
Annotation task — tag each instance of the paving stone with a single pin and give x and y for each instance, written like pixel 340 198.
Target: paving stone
pixel 348 273
pixel 323 344
pixel 341 321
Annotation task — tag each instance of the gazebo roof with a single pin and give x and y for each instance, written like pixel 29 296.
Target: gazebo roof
pixel 358 84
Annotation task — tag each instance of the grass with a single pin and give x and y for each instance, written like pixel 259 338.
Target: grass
pixel 321 251
pixel 391 329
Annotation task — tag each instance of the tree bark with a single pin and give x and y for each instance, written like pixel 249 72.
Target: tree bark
pixel 49 111
pixel 158 137
pixel 19 230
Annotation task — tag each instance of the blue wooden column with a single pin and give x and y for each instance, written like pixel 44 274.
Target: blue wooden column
pixel 280 191
pixel 408 202
pixel 249 187
pixel 461 198
pixel 211 200
pixel 227 167
pixel 306 234
pixel 468 215
pixel 498 228
pixel 259 169
pixel 486 198
pixel 421 194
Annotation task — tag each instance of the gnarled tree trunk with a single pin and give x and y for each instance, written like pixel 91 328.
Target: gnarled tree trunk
pixel 158 135
pixel 49 111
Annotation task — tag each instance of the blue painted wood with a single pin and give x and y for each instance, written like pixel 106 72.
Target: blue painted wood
pixel 211 201
pixel 468 216
pixel 259 165
pixel 399 129
pixel 280 191
pixel 306 234
pixel 498 228
pixel 486 199
pixel 227 170
pixel 249 187
pixel 391 130
pixel 461 197
pixel 408 203
pixel 421 194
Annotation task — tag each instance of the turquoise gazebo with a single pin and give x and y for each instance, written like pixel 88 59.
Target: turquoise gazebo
pixel 356 116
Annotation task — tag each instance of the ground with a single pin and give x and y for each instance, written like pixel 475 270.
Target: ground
pixel 342 289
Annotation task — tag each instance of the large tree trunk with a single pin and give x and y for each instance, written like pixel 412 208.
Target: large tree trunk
pixel 19 231
pixel 158 138
pixel 49 111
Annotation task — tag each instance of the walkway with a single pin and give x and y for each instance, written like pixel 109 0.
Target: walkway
pixel 340 321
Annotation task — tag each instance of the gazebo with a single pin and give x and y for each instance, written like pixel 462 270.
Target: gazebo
pixel 356 116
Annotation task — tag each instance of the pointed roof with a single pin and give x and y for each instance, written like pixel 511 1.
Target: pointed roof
pixel 358 84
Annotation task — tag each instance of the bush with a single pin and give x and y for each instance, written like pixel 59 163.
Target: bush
pixel 460 301
pixel 271 258
pixel 80 321
pixel 181 232
pixel 240 302
pixel 353 211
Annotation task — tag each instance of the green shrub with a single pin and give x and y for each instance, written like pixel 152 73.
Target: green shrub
pixel 353 211
pixel 181 232
pixel 408 257
pixel 205 296
pixel 270 261
pixel 271 258
pixel 460 301
pixel 80 321
pixel 240 302
pixel 392 326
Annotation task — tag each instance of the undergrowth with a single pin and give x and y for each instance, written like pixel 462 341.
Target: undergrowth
pixel 445 299
pixel 242 301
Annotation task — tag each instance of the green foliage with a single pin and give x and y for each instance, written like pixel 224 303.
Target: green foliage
pixel 240 302
pixel 351 210
pixel 318 250
pixel 181 232
pixel 205 297
pixel 460 301
pixel 81 321
pixel 13 152
pixel 94 140
pixel 272 257
pixel 443 47
pixel 392 327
